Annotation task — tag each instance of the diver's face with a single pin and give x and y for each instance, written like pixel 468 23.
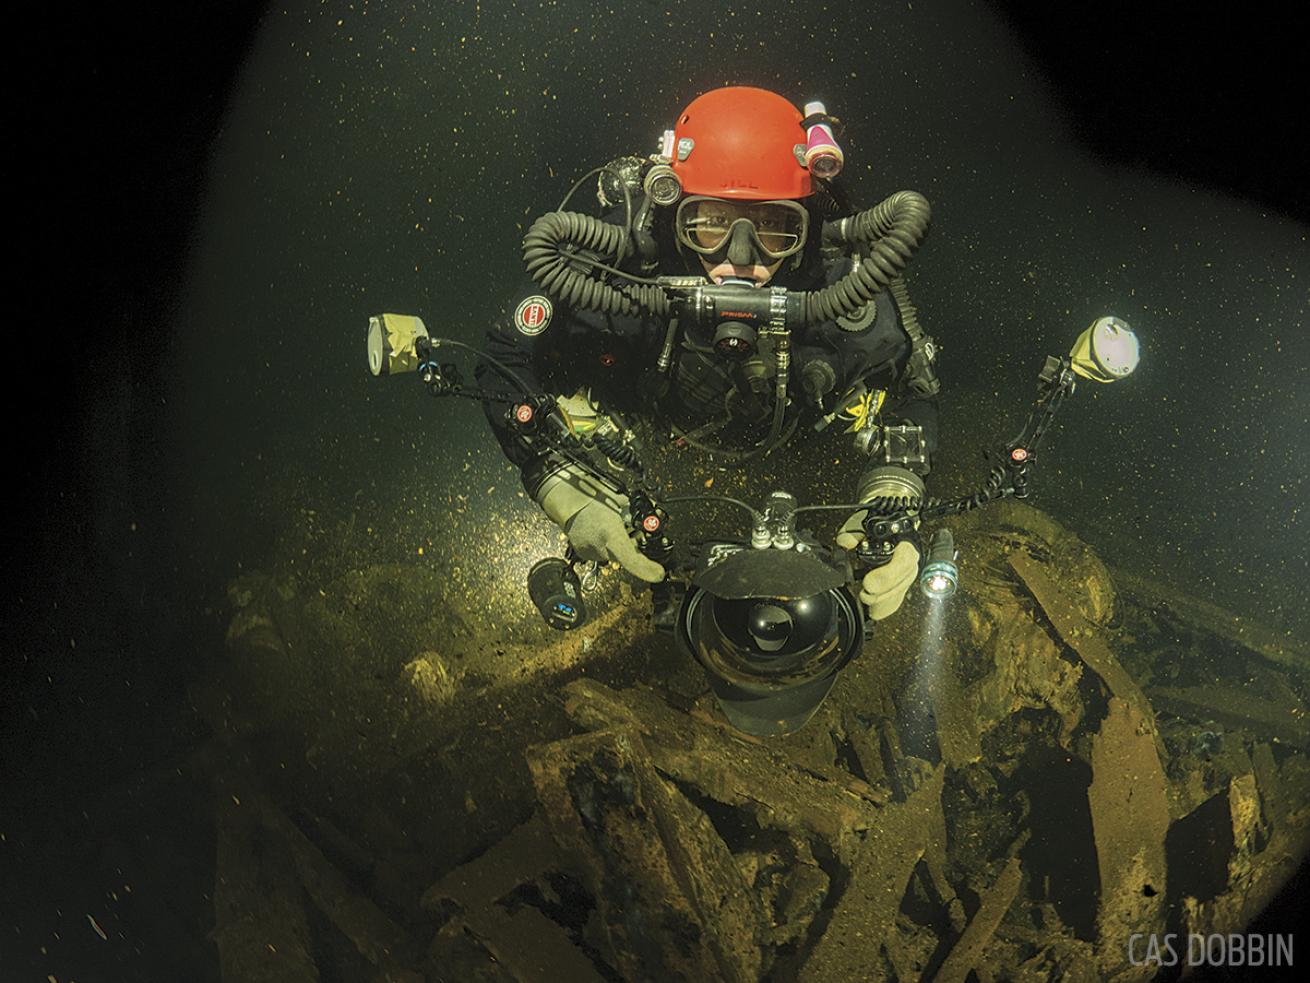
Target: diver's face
pixel 718 272
pixel 743 239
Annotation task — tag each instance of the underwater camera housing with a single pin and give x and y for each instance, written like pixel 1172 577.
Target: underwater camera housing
pixel 771 628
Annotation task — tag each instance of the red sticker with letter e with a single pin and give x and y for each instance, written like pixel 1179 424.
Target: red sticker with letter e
pixel 533 315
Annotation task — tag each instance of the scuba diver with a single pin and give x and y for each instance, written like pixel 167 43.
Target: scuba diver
pixel 744 194
pixel 734 298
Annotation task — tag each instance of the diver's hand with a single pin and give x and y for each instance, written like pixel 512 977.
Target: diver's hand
pixel 597 533
pixel 851 534
pixel 886 481
pixel 592 518
pixel 883 590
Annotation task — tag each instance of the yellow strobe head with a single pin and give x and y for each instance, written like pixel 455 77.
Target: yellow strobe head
pixel 393 341
pixel 1106 351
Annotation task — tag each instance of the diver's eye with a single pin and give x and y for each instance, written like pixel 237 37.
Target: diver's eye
pixel 779 242
pixel 708 230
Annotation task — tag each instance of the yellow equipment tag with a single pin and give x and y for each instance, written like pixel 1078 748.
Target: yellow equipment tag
pixel 862 408
pixel 580 413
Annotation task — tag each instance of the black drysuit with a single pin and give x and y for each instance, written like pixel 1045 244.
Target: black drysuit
pixel 616 357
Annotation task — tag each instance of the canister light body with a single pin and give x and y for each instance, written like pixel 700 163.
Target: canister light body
pixel 557 593
pixel 394 343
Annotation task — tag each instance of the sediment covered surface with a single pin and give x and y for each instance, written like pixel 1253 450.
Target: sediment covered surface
pixel 1067 757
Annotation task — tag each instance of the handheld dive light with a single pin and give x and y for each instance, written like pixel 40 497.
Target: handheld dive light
pixel 940 576
pixel 557 593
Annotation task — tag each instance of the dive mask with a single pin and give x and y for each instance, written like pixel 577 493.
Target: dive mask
pixel 772 230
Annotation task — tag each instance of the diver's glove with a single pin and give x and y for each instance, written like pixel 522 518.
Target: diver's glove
pixel 884 588
pixel 591 515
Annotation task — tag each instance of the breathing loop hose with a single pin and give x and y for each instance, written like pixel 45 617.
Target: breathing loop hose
pixel 551 250
pixel 556 244
pixel 891 232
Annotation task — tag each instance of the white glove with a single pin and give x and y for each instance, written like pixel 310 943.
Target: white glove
pixel 883 590
pixel 592 517
pixel 851 534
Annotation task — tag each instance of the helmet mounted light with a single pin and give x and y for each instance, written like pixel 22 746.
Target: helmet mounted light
pixel 662 185
pixel 823 155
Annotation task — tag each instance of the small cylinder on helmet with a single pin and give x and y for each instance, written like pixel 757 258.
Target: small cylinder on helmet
pixel 662 185
pixel 823 156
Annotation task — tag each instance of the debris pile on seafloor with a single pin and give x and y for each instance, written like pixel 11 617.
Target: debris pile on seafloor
pixel 1103 759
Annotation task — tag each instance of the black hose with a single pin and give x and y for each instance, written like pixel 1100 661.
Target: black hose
pixel 494 362
pixel 555 245
pixel 617 451
pixel 756 515
pixel 892 231
pixel 760 449
pixel 554 266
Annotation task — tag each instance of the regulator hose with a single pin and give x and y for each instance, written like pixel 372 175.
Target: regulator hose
pixel 551 248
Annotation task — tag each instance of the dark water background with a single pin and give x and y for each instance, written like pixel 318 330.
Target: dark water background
pixel 214 200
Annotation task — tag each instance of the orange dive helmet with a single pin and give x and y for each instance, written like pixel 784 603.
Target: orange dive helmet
pixel 741 142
